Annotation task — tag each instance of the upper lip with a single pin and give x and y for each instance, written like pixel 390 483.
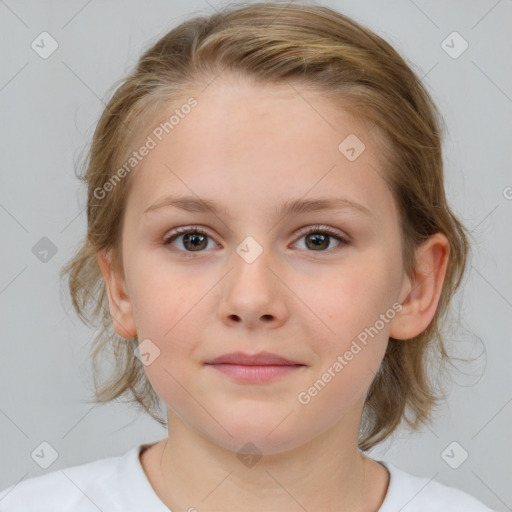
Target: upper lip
pixel 260 359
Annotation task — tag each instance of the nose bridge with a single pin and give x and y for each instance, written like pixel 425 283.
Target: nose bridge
pixel 253 291
pixel 251 276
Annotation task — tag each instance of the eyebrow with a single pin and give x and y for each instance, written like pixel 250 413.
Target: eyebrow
pixel 292 206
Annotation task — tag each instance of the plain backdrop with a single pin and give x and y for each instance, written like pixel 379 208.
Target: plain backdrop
pixel 49 107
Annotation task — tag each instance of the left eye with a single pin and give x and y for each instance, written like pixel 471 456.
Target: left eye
pixel 319 238
pixel 195 239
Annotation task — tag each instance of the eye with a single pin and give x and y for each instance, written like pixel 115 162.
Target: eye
pixel 321 238
pixel 194 239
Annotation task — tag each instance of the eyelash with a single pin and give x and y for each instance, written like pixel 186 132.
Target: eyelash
pixel 315 229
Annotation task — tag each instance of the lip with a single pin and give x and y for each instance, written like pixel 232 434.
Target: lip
pixel 254 368
pixel 259 359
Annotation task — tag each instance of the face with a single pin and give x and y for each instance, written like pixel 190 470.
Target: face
pixel 307 286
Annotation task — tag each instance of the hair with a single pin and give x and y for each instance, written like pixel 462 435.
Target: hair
pixel 277 43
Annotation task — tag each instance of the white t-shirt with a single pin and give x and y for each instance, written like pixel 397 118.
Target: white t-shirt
pixel 119 484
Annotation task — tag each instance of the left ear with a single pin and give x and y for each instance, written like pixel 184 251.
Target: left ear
pixel 423 290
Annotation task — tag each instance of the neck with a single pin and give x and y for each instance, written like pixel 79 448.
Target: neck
pixel 190 472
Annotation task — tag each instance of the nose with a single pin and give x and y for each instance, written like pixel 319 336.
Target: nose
pixel 254 295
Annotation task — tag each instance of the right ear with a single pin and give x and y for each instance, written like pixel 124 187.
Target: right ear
pixel 121 309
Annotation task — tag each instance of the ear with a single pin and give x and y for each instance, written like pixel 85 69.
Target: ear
pixel 120 306
pixel 423 291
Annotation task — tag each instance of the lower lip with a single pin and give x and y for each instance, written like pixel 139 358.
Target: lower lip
pixel 254 373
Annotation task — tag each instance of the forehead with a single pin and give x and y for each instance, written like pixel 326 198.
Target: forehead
pixel 258 145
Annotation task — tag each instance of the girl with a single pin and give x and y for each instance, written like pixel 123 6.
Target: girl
pixel 270 252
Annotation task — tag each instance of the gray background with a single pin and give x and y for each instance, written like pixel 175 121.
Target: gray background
pixel 48 111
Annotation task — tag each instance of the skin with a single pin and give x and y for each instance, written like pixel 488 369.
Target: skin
pixel 249 148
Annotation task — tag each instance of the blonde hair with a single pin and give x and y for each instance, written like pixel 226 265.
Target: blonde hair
pixel 308 45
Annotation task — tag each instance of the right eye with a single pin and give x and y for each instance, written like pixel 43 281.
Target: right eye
pixel 194 239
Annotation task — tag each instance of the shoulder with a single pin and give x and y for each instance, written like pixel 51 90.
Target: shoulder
pixel 410 493
pixel 81 488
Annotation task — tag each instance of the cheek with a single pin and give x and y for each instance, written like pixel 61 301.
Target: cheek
pixel 354 299
pixel 168 308
pixel 349 356
pixel 162 298
pixel 351 342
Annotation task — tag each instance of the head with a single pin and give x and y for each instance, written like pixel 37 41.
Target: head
pixel 247 112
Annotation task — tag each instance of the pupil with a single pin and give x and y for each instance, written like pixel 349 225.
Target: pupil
pixel 318 241
pixel 195 238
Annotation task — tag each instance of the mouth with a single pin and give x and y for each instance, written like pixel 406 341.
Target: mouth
pixel 254 368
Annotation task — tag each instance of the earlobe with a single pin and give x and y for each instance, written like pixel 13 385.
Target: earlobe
pixel 424 289
pixel 120 306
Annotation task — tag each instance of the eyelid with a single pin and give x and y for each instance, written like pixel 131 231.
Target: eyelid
pixel 183 230
pixel 324 229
